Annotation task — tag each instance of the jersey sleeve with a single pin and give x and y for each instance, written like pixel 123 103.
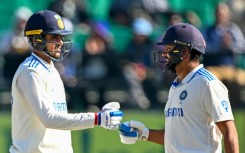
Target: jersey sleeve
pixel 32 88
pixel 216 101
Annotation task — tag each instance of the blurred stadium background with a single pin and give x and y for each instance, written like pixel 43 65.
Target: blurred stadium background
pixel 99 140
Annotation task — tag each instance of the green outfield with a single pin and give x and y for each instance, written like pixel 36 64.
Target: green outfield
pixel 99 140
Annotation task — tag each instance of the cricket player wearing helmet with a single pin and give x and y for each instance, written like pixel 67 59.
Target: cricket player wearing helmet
pixel 40 120
pixel 198 111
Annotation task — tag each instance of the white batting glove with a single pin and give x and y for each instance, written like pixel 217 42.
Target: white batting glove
pixel 110 116
pixel 132 131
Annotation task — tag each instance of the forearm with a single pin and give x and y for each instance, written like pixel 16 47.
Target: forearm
pixel 76 121
pixel 231 143
pixel 156 136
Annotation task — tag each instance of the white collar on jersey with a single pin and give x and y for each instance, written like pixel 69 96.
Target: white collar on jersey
pixel 43 62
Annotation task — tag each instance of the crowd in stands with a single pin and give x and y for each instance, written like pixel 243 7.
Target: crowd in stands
pixel 111 57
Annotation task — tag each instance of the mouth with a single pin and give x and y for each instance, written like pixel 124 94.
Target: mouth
pixel 56 53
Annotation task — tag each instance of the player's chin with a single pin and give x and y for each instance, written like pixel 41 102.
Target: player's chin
pixel 57 54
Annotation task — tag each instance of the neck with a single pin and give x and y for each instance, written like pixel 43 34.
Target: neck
pixel 183 71
pixel 43 56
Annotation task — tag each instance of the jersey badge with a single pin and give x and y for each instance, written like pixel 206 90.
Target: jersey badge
pixel 224 104
pixel 183 95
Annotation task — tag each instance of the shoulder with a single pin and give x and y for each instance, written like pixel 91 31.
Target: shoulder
pixel 234 25
pixel 206 75
pixel 209 79
pixel 31 65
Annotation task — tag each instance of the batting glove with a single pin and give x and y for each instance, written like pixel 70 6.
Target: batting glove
pixel 132 131
pixel 110 116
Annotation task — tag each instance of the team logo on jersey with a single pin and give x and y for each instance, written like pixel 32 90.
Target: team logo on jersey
pixel 183 95
pixel 224 104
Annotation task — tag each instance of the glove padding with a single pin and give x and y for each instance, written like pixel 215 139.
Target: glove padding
pixel 110 116
pixel 132 131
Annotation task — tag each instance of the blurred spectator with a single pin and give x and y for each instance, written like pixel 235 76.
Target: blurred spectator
pixel 99 68
pixel 225 41
pixel 119 12
pixel 138 67
pixel 14 46
pixel 152 9
pixel 193 18
pixel 174 18
pixel 75 10
pixel 125 11
pixel 156 6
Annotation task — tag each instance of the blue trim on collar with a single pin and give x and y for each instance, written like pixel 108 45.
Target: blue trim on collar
pixel 175 84
pixel 40 62
pixel 206 74
pixel 192 74
pixel 192 77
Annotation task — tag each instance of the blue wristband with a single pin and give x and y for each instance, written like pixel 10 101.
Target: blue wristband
pixel 116 113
